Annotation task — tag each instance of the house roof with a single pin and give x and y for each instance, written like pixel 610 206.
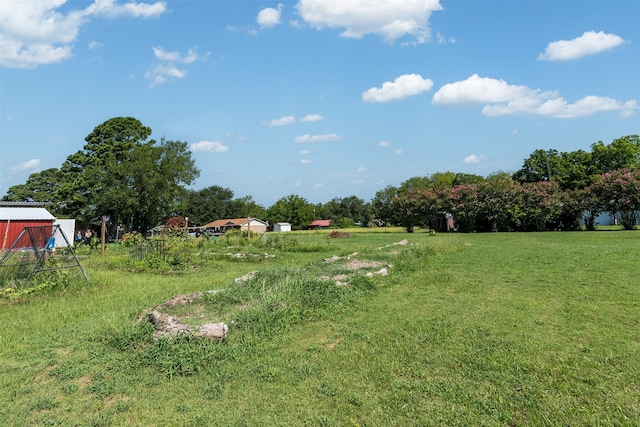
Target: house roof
pixel 30 214
pixel 320 223
pixel 24 204
pixel 232 222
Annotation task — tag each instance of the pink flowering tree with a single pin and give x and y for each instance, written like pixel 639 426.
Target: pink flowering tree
pixel 415 208
pixel 590 205
pixel 463 204
pixel 499 205
pixel 619 193
pixel 542 205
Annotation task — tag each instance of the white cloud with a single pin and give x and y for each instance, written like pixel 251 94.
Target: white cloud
pixel 583 107
pixel 112 8
pixel 515 132
pixel 305 161
pixel 402 87
pixel 175 56
pixel 478 90
pixel 162 73
pixel 28 165
pixel 37 32
pixel 210 146
pixel 287 120
pixel 384 144
pixel 312 118
pixel 305 152
pixel 269 17
pixel 167 69
pixel 398 152
pixel 472 159
pixel 501 99
pixel 317 138
pixel 362 169
pixel 390 19
pixel 441 39
pixel 588 43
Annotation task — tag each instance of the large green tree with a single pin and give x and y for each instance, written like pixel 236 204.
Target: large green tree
pixel 40 187
pixel 215 202
pixel 123 174
pixel 467 178
pixel 578 169
pixel 293 209
pixel 538 166
pixel 246 207
pixel 209 204
pixel 620 154
pixel 382 205
pixel 347 210
pixel 570 170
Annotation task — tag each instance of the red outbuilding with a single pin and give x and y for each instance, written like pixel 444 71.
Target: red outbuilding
pixel 320 223
pixel 14 219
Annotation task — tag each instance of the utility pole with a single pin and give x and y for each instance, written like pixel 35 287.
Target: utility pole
pixel 103 232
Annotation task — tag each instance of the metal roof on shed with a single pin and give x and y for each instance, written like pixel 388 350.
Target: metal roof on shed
pixel 30 214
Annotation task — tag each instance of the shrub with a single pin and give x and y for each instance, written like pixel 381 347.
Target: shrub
pixel 619 192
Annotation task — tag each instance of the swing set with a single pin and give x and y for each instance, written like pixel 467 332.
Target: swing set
pixel 34 251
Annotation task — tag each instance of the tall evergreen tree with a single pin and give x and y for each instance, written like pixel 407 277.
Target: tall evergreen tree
pixel 122 174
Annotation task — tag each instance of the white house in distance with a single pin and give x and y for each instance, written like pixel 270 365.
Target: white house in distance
pixel 221 226
pixel 281 227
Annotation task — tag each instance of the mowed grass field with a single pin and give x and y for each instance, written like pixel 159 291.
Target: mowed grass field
pixel 512 329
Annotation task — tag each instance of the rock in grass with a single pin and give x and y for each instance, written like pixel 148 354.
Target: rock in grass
pixel 167 325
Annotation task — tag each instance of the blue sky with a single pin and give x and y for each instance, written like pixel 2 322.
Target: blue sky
pixel 319 98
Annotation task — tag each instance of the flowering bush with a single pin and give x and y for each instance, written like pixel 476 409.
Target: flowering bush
pixel 415 207
pixel 499 206
pixel 590 204
pixel 619 192
pixel 132 239
pixel 542 205
pixel 463 203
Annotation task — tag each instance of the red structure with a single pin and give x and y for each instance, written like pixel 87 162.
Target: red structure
pixel 14 219
pixel 320 223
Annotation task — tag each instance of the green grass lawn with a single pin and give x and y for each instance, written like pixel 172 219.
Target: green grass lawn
pixel 478 329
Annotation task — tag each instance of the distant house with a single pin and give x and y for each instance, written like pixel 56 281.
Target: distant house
pixel 320 223
pixel 608 218
pixel 281 227
pixel 14 219
pixel 221 226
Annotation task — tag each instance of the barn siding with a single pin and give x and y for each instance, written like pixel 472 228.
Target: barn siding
pixel 11 229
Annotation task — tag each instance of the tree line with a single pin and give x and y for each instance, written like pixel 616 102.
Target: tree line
pixel 139 183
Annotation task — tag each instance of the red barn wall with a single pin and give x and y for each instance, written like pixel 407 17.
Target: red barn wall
pixel 11 229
